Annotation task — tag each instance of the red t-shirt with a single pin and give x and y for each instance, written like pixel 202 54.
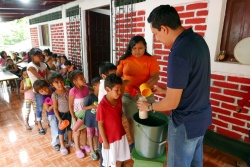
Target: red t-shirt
pixel 112 119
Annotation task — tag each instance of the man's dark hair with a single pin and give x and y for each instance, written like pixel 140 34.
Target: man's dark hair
pixel 164 15
pixel 53 76
pixel 67 63
pixel 39 84
pixel 54 55
pixel 35 51
pixel 95 80
pixel 105 67
pixel 64 58
pixel 74 74
pixel 111 80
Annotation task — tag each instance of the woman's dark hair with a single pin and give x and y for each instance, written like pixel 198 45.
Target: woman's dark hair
pixel 54 55
pixel 2 53
pixel 67 63
pixel 35 51
pixel 39 84
pixel 111 80
pixel 64 57
pixel 48 52
pixel 74 74
pixel 164 15
pixel 53 76
pixel 23 69
pixel 133 41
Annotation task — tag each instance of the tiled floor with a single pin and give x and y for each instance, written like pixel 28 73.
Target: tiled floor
pixel 19 147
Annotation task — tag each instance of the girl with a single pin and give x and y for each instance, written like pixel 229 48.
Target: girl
pixel 77 96
pixel 61 108
pixel 29 97
pixel 12 67
pixel 3 58
pixel 59 64
pixel 36 69
pixel 48 59
pixel 16 58
pixel 63 68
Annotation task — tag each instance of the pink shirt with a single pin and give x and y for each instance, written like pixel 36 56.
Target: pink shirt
pixel 28 94
pixel 79 97
pixel 3 61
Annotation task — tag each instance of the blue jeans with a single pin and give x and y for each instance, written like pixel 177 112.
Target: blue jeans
pixel 54 129
pixel 39 106
pixel 183 152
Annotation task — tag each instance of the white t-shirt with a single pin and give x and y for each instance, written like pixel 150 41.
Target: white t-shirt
pixel 40 70
pixel 102 91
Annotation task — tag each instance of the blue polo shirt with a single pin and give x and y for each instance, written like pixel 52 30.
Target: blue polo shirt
pixel 189 69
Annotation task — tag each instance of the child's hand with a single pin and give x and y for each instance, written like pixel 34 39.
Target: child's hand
pixel 74 119
pixel 106 145
pixel 27 88
pixel 93 106
pixel 238 108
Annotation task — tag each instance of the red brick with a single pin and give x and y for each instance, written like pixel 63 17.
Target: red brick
pixel 240 129
pixel 241 116
pixel 157 46
pixel 239 80
pixel 211 127
pixel 165 58
pixel 228 106
pixel 245 88
pixel 136 30
pixel 200 27
pixel 217 77
pixel 186 14
pixel 163 73
pixel 221 111
pixel 220 123
pixel 225 85
pixel 202 13
pixel 228 133
pixel 130 14
pixel 214 102
pixel 164 79
pixel 142 12
pixel 214 89
pixel 162 63
pixel 196 6
pixel 231 120
pixel 179 8
pixel 161 52
pixel 188 26
pixel 136 19
pixel 222 98
pixel 140 24
pixel 246 139
pixel 213 115
pixel 233 93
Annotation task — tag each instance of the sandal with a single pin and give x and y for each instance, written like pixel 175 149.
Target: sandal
pixel 86 148
pixel 80 154
pixel 28 127
pixel 41 131
pixel 93 156
pixel 64 151
pixel 35 122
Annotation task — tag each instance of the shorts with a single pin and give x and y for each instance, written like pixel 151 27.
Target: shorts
pixel 64 116
pixel 91 132
pixel 129 105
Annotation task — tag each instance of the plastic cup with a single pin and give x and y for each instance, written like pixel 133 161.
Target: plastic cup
pixel 143 114
pixel 77 124
pixel 28 82
pixel 63 124
pixel 145 90
pixel 48 100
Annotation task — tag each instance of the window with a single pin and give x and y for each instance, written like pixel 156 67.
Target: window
pixel 236 26
pixel 45 41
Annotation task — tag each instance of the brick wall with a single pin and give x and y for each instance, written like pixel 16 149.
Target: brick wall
pixel 34 37
pixel 74 43
pixel 57 37
pixel 128 25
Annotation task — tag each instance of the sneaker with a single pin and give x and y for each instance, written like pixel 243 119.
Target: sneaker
pixel 41 131
pixel 80 154
pixel 93 156
pixel 64 151
pixel 57 147
pixel 97 150
pixel 71 144
pixel 86 148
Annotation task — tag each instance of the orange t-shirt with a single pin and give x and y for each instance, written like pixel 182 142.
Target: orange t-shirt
pixel 137 70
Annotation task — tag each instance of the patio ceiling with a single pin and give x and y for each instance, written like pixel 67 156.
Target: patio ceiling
pixel 16 9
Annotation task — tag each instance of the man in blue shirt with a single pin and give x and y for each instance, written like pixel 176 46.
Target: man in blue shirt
pixel 188 88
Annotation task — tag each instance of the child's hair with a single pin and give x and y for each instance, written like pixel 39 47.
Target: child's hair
pixel 111 80
pixel 67 63
pixel 23 69
pixel 74 74
pixel 95 81
pixel 105 67
pixel 48 51
pixel 54 56
pixel 39 84
pixel 59 57
pixel 35 51
pixel 2 53
pixel 8 60
pixel 64 58
pixel 53 76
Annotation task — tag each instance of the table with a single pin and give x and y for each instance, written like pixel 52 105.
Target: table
pixel 22 64
pixel 6 76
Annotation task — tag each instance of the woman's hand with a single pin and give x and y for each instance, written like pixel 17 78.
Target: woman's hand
pixel 159 90
pixel 143 105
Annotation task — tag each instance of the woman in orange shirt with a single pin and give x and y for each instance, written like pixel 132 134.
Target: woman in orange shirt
pixel 137 66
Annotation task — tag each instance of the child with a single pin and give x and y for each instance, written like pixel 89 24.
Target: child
pixel 11 67
pixel 36 70
pixel 63 68
pixel 77 96
pixel 43 88
pixel 61 108
pixel 3 58
pixel 58 59
pixel 54 59
pixel 29 97
pixel 89 120
pixel 109 117
pixel 16 58
pixel 104 69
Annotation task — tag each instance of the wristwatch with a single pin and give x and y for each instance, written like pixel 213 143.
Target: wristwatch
pixel 150 106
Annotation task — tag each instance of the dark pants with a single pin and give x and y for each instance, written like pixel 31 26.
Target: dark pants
pixel 101 159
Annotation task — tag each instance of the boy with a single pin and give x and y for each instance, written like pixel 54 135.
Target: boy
pixel 109 117
pixel 43 88
pixel 90 118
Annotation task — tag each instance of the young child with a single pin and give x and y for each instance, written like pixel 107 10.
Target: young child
pixel 43 88
pixel 13 68
pixel 29 97
pixel 69 68
pixel 63 68
pixel 90 118
pixel 77 96
pixel 104 69
pixel 59 64
pixel 36 70
pixel 3 58
pixel 54 59
pixel 60 100
pixel 109 117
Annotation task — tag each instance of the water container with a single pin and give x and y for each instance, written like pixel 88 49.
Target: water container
pixel 151 134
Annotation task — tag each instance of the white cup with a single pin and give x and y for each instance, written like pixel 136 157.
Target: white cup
pixel 143 114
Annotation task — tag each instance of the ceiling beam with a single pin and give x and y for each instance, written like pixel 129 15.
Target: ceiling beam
pixel 7 19
pixel 9 11
pixel 14 15
pixel 25 6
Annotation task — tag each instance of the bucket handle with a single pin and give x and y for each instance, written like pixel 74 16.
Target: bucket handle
pixel 161 143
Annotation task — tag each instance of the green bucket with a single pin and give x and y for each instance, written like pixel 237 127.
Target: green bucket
pixel 151 134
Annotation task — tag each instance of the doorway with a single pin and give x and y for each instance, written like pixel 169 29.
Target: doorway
pixel 98 41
